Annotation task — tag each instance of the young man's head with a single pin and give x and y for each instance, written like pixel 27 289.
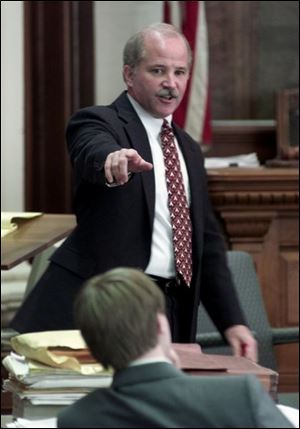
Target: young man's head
pixel 121 315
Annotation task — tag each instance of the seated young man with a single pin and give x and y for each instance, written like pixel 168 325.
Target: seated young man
pixel 122 318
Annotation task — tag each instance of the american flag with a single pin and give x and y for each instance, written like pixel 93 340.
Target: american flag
pixel 193 114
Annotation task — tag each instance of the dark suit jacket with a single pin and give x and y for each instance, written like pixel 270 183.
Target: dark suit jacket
pixel 159 395
pixel 115 224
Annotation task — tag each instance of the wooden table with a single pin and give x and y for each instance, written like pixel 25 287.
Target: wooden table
pixel 32 239
pixel 258 209
pixel 34 236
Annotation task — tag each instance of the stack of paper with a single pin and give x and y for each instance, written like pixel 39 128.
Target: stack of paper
pixel 46 376
pixel 249 160
pixel 25 423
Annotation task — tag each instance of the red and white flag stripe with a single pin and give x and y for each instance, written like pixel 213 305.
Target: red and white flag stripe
pixel 193 114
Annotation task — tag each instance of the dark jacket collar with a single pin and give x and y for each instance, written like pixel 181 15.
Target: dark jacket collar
pixel 127 113
pixel 124 108
pixel 145 373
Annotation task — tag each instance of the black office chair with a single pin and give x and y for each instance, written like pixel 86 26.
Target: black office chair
pixel 249 292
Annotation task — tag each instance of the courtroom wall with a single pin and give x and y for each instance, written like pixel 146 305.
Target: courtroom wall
pixel 253 52
pixel 12 106
pixel 114 23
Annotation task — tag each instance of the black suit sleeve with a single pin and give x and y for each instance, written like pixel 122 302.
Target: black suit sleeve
pixel 218 293
pixel 90 138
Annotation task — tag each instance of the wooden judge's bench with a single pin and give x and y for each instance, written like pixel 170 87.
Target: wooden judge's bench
pixel 258 211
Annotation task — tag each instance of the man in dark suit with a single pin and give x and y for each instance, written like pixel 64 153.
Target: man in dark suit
pixel 123 205
pixel 122 318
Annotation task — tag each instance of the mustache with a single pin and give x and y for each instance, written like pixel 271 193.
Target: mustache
pixel 168 92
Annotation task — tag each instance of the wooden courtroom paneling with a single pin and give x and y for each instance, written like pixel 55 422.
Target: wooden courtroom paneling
pixel 288 357
pixel 258 210
pixel 253 53
pixel 58 80
pixel 232 37
pixel 229 139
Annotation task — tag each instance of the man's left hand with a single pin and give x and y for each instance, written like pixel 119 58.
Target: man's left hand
pixel 242 342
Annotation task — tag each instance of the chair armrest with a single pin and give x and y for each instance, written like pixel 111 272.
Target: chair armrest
pixel 210 339
pixel 213 339
pixel 285 335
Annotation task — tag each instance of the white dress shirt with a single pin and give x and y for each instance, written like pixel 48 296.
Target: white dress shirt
pixel 162 261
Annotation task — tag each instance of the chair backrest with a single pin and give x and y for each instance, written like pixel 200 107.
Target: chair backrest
pixel 249 292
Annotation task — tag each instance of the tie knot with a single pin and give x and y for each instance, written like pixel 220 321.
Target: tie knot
pixel 165 126
pixel 166 134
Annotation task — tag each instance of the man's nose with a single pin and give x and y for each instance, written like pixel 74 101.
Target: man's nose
pixel 170 81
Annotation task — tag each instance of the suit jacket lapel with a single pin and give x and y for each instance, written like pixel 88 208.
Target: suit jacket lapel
pixel 137 135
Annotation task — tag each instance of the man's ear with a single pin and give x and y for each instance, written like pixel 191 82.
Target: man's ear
pixel 162 324
pixel 128 74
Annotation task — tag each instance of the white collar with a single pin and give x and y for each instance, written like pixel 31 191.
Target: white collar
pixel 143 361
pixel 149 121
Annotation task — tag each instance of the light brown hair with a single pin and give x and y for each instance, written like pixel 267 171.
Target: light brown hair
pixel 117 315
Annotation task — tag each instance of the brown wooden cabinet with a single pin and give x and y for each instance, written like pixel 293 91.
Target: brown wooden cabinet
pixel 258 210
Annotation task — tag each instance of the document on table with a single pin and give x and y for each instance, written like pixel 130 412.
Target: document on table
pixel 34 375
pixel 10 220
pixel 63 349
pixel 292 414
pixel 249 160
pixel 25 423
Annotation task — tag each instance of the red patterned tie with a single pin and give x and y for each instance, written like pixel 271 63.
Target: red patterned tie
pixel 178 205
